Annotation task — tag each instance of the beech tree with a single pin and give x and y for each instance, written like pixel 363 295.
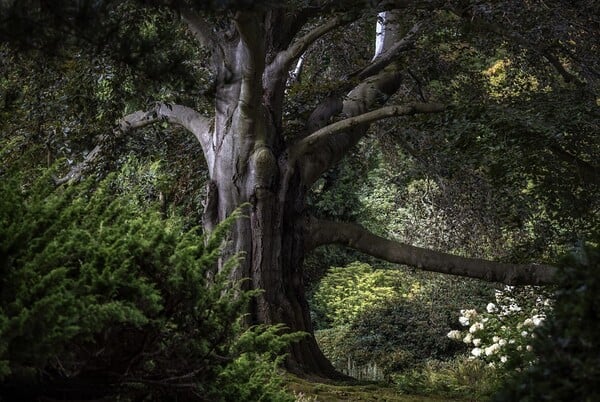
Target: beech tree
pixel 256 51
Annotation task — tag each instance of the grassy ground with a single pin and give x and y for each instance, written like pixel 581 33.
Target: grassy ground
pixel 314 391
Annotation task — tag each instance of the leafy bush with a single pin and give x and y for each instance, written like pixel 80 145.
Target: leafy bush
pixel 101 293
pixel 567 365
pixel 389 319
pixel 501 334
pixel 346 292
pixel 398 335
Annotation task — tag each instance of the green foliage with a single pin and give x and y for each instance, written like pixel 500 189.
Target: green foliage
pixel 346 292
pixel 388 318
pixel 458 378
pixel 250 377
pixel 95 282
pixel 566 347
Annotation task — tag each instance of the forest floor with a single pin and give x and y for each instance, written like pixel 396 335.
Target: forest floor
pixel 307 391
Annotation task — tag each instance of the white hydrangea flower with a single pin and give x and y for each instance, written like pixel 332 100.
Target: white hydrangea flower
pixel 524 333
pixel 501 342
pixel 537 320
pixel 467 339
pixel 476 352
pixel 454 334
pixel 490 350
pixel 495 339
pixel 528 323
pixel 491 308
pixel 514 307
pixel 464 321
pixel 476 327
pixel 476 342
pixel 529 348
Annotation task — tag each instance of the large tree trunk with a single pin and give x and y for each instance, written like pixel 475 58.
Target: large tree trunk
pixel 270 238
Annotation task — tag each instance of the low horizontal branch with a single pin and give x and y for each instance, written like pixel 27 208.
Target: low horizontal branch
pixel 319 232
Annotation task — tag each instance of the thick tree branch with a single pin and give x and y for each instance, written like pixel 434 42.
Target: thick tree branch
pixel 320 150
pixel 355 236
pixel 250 58
pixel 369 117
pixel 284 59
pixel 200 29
pixel 177 114
pixel 373 81
pixel 391 54
pixel 276 74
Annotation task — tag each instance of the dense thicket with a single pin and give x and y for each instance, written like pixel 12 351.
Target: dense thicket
pixel 102 294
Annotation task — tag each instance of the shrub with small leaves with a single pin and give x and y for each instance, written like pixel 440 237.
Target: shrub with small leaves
pixel 102 293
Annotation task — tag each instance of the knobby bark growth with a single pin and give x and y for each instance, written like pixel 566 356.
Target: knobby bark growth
pixel 250 162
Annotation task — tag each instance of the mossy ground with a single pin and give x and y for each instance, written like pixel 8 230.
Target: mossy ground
pixel 330 392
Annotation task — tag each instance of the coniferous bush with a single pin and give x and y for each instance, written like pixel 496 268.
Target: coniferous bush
pixel 101 293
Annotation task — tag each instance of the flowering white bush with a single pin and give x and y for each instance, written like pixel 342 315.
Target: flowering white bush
pixel 501 334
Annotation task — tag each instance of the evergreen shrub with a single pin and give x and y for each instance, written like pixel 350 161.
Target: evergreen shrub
pixel 101 294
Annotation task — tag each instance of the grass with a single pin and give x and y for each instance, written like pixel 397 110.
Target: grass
pixel 308 391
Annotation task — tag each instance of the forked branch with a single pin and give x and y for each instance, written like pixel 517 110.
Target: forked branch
pixel 177 114
pixel 284 59
pixel 319 232
pixel 392 53
pixel 323 148
pixel 369 117
pixel 357 98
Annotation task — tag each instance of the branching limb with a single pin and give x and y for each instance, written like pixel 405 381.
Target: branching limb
pixel 284 59
pixel 391 54
pixel 320 150
pixel 250 57
pixel 320 232
pixel 373 81
pixel 382 113
pixel 177 114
